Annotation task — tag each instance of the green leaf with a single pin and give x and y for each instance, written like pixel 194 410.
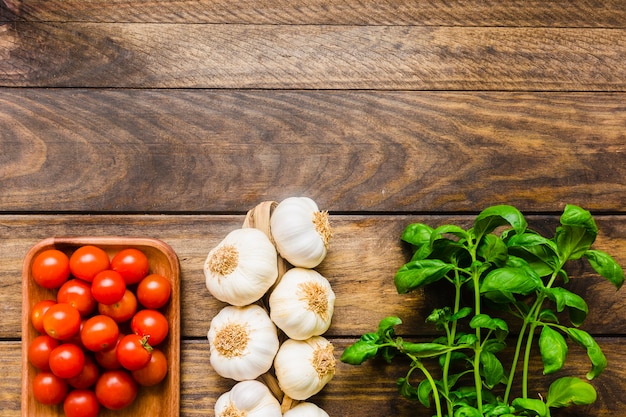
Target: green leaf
pixel 577 233
pixel 578 217
pixel 493 371
pixel 462 313
pixel 510 280
pixel 486 322
pixel 531 404
pixel 359 352
pixel 595 354
pixel 546 315
pixel 416 274
pixel 538 251
pixel 578 308
pixel 553 349
pixel 386 326
pixel 467 411
pixel 421 350
pixel 424 389
pixel 493 250
pixel 606 266
pixel 568 391
pixel 407 390
pixel 492 217
pixel 448 229
pixel 417 234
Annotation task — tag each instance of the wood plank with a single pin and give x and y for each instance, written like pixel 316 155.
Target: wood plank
pixel 368 389
pixel 558 13
pixel 365 253
pixel 82 150
pixel 311 57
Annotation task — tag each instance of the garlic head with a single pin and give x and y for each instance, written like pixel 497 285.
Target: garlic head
pixel 302 303
pixel 248 399
pixel 306 409
pixel 241 268
pixel 304 367
pixel 300 231
pixel 243 342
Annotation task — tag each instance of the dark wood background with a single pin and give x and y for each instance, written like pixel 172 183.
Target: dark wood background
pixel 172 119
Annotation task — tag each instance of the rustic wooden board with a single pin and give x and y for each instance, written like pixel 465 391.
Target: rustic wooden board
pixel 150 55
pixel 183 150
pixel 364 255
pixel 557 13
pixel 368 389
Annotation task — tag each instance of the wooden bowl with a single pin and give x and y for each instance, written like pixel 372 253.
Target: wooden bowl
pixel 160 400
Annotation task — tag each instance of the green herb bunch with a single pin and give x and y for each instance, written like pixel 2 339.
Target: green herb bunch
pixel 502 266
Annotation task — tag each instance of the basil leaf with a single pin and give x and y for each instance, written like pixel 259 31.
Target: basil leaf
pixel 406 389
pixel 423 392
pixel 578 308
pixel 597 358
pixel 419 273
pixel 510 280
pixel 493 371
pixel 577 217
pixel 532 404
pixel 493 249
pixel 492 217
pixel 568 391
pixel 359 352
pixel 467 411
pixel 417 234
pixel 606 266
pixel 553 349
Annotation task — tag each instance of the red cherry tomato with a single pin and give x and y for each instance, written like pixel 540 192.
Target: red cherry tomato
pixel 87 377
pixel 61 321
pixel 123 310
pixel 116 389
pixel 107 358
pixel 77 293
pixel 150 323
pixel 67 360
pixel 131 263
pixel 108 287
pixel 133 352
pixel 154 291
pixel 99 332
pixel 50 268
pixel 49 389
pixel 154 372
pixel 39 351
pixel 81 403
pixel 87 261
pixel 36 314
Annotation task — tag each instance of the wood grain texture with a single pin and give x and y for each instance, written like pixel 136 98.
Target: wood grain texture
pixel 311 57
pixel 366 390
pixel 83 150
pixel 364 255
pixel 558 13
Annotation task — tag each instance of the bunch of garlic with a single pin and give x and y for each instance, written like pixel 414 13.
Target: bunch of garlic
pixel 243 337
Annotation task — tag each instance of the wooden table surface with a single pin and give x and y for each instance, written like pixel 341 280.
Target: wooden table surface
pixel 171 119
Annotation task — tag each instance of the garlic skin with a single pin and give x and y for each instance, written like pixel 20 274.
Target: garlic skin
pixel 241 268
pixel 249 399
pixel 243 342
pixel 300 231
pixel 304 367
pixel 306 409
pixel 302 303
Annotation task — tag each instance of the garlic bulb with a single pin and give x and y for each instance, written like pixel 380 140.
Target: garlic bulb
pixel 301 231
pixel 302 303
pixel 304 367
pixel 242 268
pixel 243 342
pixel 249 399
pixel 306 410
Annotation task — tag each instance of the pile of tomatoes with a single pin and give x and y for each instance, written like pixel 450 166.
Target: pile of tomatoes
pixel 99 339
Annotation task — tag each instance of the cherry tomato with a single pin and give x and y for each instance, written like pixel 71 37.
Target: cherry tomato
pixel 99 332
pixel 154 291
pixel 131 263
pixel 87 377
pixel 67 360
pixel 108 358
pixel 87 261
pixel 116 389
pixel 154 372
pixel 49 389
pixel 81 403
pixel 77 293
pixel 36 314
pixel 150 323
pixel 39 351
pixel 123 310
pixel 61 321
pixel 50 268
pixel 108 287
pixel 133 352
